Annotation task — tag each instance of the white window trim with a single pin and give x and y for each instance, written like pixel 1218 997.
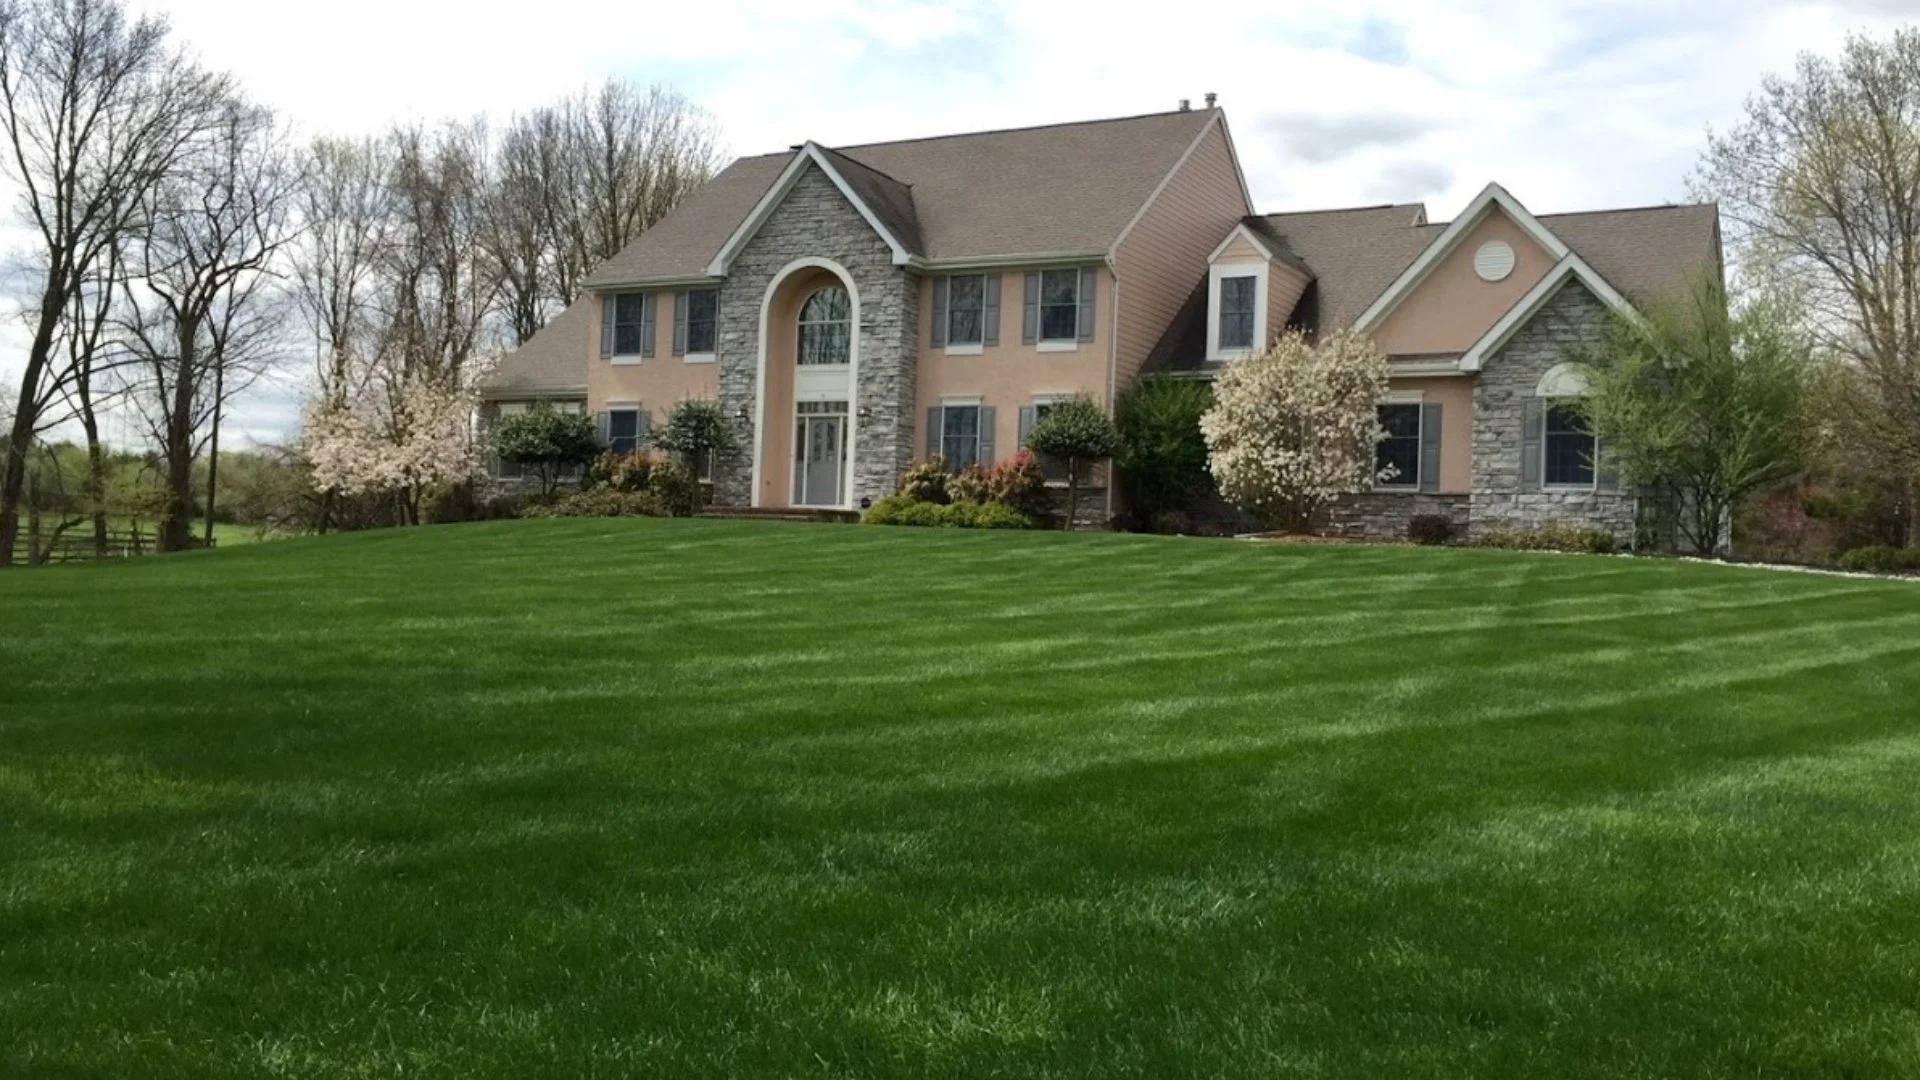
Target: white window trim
pixel 1056 346
pixel 962 400
pixel 626 360
pixel 1395 486
pixel 1236 268
pixel 973 349
pixel 612 407
pixel 618 358
pixel 699 358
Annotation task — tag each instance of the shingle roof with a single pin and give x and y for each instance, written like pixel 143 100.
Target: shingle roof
pixel 1354 254
pixel 1040 190
pixel 552 361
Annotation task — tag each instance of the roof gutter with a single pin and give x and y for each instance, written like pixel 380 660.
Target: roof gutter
pixel 653 282
pixel 992 262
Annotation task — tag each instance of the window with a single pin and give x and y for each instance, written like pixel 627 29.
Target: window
pixel 1060 305
pixel 826 327
pixel 703 310
pixel 1053 470
pixel 1236 312
pixel 1400 450
pixel 623 430
pixel 629 324
pixel 966 309
pixel 1570 447
pixel 960 436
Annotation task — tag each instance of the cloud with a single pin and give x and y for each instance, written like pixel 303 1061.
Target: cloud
pixel 1410 181
pixel 1317 139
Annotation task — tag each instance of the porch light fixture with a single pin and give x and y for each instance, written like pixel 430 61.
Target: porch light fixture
pixel 866 412
pixel 743 414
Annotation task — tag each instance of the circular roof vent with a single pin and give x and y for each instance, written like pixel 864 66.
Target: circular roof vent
pixel 1494 260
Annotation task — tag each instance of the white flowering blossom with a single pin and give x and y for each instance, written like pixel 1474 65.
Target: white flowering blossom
pixel 421 439
pixel 1296 427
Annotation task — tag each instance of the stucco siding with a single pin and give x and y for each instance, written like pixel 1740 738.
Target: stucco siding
pixel 1453 307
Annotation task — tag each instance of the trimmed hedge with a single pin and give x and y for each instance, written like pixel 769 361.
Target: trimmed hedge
pixel 1881 559
pixel 1548 536
pixel 900 510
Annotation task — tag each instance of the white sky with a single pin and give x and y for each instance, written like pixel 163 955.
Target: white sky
pixel 1571 105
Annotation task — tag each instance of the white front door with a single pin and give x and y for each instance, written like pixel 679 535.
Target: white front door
pixel 819 453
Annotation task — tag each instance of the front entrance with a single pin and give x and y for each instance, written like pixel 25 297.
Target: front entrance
pixel 820 453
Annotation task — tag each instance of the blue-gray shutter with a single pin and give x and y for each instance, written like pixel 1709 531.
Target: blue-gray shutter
pixel 680 324
pixel 1088 277
pixel 648 304
pixel 1533 430
pixel 642 423
pixel 1026 424
pixel 933 431
pixel 607 304
pixel 1430 447
pixel 986 435
pixel 941 287
pixel 990 311
pixel 1030 318
pixel 603 422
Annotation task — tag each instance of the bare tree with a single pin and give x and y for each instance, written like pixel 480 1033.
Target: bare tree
pixel 95 109
pixel 1819 185
pixel 213 227
pixel 523 202
pixel 344 207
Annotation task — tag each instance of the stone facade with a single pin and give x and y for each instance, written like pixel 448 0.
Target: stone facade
pixel 816 221
pixel 1510 377
pixel 1383 515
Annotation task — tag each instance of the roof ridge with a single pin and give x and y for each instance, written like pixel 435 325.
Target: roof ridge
pixel 1630 209
pixel 1027 127
pixel 1341 209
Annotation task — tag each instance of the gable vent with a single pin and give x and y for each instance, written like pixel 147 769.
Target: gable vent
pixel 1494 260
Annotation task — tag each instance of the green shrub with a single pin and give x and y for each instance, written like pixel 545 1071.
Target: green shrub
pixel 546 441
pixel 1548 536
pixel 675 488
pixel 900 510
pixel 1881 559
pixel 926 481
pixel 470 502
pixel 1162 455
pixel 1431 530
pixel 598 502
pixel 1078 435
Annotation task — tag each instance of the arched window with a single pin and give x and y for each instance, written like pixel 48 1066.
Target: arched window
pixel 826 326
pixel 1567 443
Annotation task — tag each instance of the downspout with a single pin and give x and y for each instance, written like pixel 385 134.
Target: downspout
pixel 1113 372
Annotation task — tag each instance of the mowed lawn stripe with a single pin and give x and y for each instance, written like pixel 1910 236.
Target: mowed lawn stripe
pixel 706 798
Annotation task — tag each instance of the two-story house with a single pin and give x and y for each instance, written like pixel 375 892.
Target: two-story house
pixel 857 308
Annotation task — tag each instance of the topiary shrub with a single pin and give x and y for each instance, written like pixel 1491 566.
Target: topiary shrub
pixel 599 502
pixel 1430 530
pixel 1881 559
pixel 546 441
pixel 1078 435
pixel 926 481
pixel 675 487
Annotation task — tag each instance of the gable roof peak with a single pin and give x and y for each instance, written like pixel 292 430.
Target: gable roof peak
pixel 1492 197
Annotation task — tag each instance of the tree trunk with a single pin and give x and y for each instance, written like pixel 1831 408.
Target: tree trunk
pixel 26 414
pixel 213 446
pixel 1073 493
pixel 96 475
pixel 176 529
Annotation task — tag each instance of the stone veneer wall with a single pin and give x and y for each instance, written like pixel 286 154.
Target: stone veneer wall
pixel 1383 515
pixel 816 221
pixel 1574 317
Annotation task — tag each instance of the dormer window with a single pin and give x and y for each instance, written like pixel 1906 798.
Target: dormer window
pixel 1236 311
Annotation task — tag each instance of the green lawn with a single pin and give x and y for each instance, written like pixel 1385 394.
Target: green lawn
pixel 729 799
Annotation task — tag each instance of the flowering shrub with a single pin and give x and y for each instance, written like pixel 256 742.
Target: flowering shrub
pixel 969 485
pixel 925 481
pixel 1295 428
pixel 1019 483
pixel 621 472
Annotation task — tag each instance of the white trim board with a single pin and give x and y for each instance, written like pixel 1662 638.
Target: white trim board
pixel 762 210
pixel 1483 204
pixel 853 375
pixel 1253 238
pixel 1569 268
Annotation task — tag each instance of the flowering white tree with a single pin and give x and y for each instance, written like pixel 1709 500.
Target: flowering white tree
pixel 1295 428
pixel 421 439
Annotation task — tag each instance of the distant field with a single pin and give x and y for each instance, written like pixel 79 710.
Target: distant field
pixel 595 798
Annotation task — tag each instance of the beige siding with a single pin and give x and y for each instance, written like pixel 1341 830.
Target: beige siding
pixel 1453 308
pixel 1241 248
pixel 1165 255
pixel 1010 375
pixel 1284 288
